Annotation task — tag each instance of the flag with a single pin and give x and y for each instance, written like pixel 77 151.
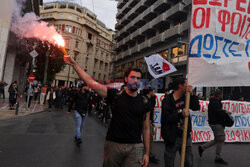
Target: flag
pixel 158 66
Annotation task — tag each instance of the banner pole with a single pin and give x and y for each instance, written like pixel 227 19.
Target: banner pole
pixel 184 135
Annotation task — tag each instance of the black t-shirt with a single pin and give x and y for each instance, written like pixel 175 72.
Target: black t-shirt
pixel 128 114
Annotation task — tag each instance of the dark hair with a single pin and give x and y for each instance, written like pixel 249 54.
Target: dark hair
pixel 147 90
pixel 133 68
pixel 175 84
pixel 217 92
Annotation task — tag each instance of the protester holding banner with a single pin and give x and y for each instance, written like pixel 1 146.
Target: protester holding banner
pixel 216 117
pixel 130 120
pixel 173 114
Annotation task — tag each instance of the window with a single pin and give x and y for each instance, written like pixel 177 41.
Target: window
pixel 63 5
pixel 67 28
pixel 99 76
pixel 48 6
pixel 63 27
pixel 67 42
pixel 78 19
pixel 71 6
pixel 86 60
pixel 94 74
pixel 104 77
pixel 89 36
pixel 101 54
pixel 73 30
pixel 70 29
pixel 61 16
pixel 178 51
pixel 164 54
pixel 96 52
pixel 77 44
pixel 70 16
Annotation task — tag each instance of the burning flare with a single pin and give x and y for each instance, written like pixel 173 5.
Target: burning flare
pixel 60 42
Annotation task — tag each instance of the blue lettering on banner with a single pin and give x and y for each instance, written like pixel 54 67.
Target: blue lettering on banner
pixel 198 120
pixel 209 42
pixel 241 121
pixel 156 119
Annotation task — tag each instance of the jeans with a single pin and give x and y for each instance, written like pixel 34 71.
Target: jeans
pixel 171 149
pixel 79 124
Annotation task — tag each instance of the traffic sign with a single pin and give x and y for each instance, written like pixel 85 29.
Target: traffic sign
pixel 33 54
pixel 32 78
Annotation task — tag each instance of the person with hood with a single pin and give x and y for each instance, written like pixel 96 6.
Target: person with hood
pixel 216 116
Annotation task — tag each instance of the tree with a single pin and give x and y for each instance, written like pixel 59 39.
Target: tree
pixel 55 63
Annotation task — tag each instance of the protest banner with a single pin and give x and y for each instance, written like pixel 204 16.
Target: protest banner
pixel 219 43
pixel 240 132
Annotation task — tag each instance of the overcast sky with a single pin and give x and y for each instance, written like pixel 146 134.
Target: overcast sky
pixel 104 9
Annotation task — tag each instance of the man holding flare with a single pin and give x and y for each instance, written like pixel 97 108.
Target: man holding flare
pixel 130 121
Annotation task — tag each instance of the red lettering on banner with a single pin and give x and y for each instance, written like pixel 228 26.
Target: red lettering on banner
pixel 243 24
pixel 215 3
pixel 232 135
pixel 200 2
pixel 246 135
pixel 224 19
pixel 238 135
pixel 226 3
pixel 155 129
pixel 208 15
pixel 233 23
pixel 238 5
pixel 157 103
pixel 203 17
pixel 227 135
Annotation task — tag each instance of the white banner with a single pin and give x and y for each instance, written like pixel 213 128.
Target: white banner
pixel 219 43
pixel 240 132
pixel 158 66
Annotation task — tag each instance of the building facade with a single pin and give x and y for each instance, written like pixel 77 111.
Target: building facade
pixel 146 27
pixel 12 69
pixel 87 40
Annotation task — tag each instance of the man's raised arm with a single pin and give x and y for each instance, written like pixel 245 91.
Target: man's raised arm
pixel 100 89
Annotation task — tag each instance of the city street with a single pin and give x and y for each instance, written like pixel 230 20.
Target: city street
pixel 46 139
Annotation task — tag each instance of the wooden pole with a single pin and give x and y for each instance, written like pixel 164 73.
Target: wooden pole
pixel 184 136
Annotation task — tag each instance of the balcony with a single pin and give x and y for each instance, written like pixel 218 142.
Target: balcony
pixel 146 44
pixel 138 9
pixel 127 53
pixel 121 3
pixel 176 12
pixel 135 49
pixel 174 31
pixel 149 14
pixel 162 5
pixel 157 39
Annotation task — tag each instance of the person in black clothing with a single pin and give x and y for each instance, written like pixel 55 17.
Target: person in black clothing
pixel 59 98
pixel 149 93
pixel 130 120
pixel 216 117
pixel 2 86
pixel 80 106
pixel 12 95
pixel 173 114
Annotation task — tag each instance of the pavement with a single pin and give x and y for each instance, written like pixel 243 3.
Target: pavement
pixel 46 140
pixel 6 113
